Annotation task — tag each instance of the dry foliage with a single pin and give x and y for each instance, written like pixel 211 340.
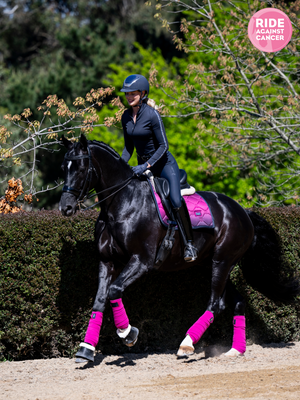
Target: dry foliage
pixel 8 204
pixel 30 136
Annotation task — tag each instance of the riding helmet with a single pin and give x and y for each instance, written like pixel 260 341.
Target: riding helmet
pixel 135 82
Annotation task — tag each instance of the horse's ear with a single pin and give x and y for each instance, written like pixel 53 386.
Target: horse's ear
pixel 67 143
pixel 83 141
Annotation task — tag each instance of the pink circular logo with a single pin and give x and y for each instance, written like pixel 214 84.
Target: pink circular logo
pixel 270 30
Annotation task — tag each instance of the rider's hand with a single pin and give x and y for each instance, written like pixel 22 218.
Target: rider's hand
pixel 140 169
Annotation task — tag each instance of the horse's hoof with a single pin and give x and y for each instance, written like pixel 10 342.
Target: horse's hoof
pixel 81 360
pixel 185 351
pixel 233 353
pixel 85 353
pixel 186 347
pixel 132 337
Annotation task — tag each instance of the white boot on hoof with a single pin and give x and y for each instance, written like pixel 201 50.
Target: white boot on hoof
pixel 233 353
pixel 85 353
pixel 186 347
pixel 129 335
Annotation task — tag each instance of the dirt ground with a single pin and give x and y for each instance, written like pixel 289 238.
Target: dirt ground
pixel 265 372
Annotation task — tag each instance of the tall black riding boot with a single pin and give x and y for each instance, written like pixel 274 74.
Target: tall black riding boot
pixel 185 228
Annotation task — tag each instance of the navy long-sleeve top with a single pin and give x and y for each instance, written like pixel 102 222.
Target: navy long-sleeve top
pixel 147 134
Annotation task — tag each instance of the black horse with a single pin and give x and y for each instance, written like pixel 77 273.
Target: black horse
pixel 129 232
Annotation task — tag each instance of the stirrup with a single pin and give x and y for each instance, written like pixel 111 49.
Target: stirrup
pixel 190 252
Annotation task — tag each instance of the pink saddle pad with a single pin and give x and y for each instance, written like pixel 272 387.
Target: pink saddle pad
pixel 200 214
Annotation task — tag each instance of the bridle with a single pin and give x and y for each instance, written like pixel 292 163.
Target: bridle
pixel 84 192
pixel 86 187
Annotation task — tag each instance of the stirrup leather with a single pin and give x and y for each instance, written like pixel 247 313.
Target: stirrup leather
pixel 185 228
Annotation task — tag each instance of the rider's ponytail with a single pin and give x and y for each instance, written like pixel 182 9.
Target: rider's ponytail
pixel 151 103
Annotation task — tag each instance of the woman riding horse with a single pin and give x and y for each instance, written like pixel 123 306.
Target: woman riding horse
pixel 144 130
pixel 129 232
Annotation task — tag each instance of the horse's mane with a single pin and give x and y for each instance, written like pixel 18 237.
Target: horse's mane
pixel 110 150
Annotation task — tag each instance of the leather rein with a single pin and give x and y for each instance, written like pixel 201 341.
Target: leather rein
pixel 84 192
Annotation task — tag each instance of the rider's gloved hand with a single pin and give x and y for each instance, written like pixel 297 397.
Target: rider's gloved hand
pixel 139 169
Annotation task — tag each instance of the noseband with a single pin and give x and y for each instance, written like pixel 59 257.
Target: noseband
pixel 83 193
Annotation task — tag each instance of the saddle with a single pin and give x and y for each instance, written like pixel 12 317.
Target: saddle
pixel 162 188
pixel 199 210
pixel 186 189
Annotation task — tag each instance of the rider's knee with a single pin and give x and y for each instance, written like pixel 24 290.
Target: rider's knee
pixel 176 202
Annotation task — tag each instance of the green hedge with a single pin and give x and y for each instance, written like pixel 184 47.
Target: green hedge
pixel 48 280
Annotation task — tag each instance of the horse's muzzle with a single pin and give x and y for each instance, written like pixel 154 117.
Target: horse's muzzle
pixel 68 204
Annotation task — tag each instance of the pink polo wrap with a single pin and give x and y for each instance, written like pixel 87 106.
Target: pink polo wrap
pixel 93 330
pixel 200 326
pixel 239 333
pixel 119 313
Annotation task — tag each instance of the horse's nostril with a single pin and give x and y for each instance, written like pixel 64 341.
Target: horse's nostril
pixel 67 210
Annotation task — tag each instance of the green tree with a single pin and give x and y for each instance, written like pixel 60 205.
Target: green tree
pixel 66 47
pixel 246 99
pixel 182 132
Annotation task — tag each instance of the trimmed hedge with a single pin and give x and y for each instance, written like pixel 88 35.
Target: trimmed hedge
pixel 48 280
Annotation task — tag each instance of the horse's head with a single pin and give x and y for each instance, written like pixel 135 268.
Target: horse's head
pixel 77 168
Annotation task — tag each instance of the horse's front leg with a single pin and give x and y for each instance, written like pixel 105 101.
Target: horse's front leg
pixel 87 348
pixel 133 270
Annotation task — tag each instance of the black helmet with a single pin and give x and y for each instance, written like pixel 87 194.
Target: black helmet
pixel 135 82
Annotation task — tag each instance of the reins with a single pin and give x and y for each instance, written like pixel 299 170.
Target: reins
pixel 112 187
pixel 84 192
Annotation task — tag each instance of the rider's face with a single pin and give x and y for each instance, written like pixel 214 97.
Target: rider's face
pixel 133 98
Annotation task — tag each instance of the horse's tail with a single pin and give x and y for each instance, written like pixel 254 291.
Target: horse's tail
pixel 262 264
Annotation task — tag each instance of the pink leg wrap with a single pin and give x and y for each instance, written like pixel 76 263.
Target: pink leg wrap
pixel 239 333
pixel 93 330
pixel 200 326
pixel 120 316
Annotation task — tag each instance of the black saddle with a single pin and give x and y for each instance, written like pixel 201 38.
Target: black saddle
pixel 165 186
pixel 163 190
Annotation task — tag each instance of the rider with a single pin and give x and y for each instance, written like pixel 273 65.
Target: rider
pixel 143 129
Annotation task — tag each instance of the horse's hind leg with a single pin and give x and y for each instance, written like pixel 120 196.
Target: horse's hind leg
pixel 194 334
pixel 236 301
pixel 220 273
